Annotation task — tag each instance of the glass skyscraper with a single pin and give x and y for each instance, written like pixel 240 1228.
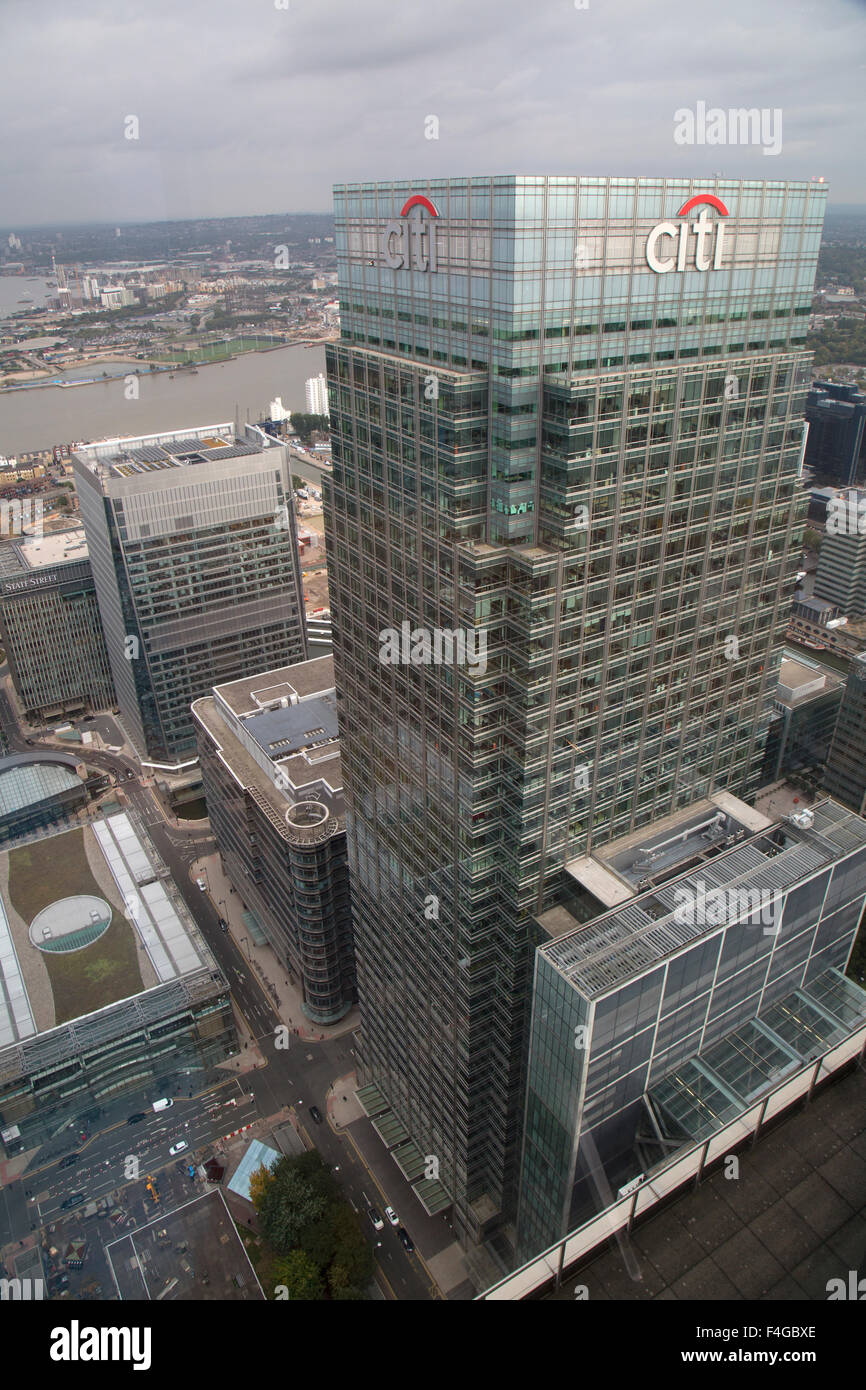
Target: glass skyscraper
pixel 567 427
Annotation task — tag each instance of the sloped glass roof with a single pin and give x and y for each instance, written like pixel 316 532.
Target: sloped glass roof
pixel 713 1087
pixel 33 782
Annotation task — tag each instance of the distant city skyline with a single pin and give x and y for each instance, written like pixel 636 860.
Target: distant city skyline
pixel 123 113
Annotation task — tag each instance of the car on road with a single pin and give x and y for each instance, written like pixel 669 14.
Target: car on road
pixel 405 1239
pixel 378 1223
pixel 72 1201
pixel 162 1104
pixel 179 1147
pixel 224 926
pixel 134 1119
pixel 88 719
pixel 201 885
pixel 129 772
pixel 392 1216
pixel 316 1114
pixel 69 1161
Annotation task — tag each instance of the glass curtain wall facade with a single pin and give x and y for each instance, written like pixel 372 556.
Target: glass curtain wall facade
pixel 845 777
pixel 617 1008
pixel 52 635
pixel 589 463
pixel 194 550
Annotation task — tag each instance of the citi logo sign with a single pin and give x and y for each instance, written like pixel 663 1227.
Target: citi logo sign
pixel 699 244
pixel 410 243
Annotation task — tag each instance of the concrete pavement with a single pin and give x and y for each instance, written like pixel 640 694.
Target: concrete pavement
pixel 284 995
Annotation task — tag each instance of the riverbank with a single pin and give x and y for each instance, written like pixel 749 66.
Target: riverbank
pixel 39 417
pixel 135 366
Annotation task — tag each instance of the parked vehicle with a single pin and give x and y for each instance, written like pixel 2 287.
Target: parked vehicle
pixel 201 885
pixel 69 1161
pixel 162 1104
pixel 316 1114
pixel 378 1223
pixel 405 1239
pixel 178 1147
pixel 72 1201
pixel 136 1118
pixel 392 1216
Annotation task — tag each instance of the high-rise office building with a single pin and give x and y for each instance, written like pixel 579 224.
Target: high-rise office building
pixel 837 432
pixel 845 777
pixel 317 395
pixel 270 764
pixel 194 551
pixel 50 626
pixel 806 703
pixel 841 575
pixel 562 525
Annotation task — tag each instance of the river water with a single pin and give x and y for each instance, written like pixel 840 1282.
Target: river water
pixel 40 418
pixel 14 288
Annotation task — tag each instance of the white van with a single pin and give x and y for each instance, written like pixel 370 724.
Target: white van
pixel 162 1104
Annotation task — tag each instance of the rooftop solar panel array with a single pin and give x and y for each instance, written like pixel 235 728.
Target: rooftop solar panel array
pixel 174 453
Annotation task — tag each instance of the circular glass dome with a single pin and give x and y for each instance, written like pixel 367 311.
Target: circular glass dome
pixel 307 813
pixel 70 924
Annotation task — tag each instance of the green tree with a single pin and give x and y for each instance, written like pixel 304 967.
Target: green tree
pixel 194 321
pixel 298 1276
pixel 352 1266
pixel 291 1198
pixel 289 1205
pixel 812 539
pixel 305 425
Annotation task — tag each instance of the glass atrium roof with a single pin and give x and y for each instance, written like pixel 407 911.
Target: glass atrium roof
pixel 713 1087
pixel 33 782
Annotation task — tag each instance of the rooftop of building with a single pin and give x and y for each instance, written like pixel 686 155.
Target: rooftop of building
pixel 306 726
pixel 710 851
pixel 53 547
pixel 616 872
pixel 820 605
pixel 266 690
pixel 28 778
pixel 57 543
pixel 801 680
pixel 88 917
pixel 138 455
pixel 288 717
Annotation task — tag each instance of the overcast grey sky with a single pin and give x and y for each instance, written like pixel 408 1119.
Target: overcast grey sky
pixel 247 108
